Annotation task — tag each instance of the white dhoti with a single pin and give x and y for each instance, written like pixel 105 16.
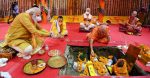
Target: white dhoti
pixel 86 27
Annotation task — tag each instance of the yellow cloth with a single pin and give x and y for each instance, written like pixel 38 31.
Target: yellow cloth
pixel 24 30
pixel 63 29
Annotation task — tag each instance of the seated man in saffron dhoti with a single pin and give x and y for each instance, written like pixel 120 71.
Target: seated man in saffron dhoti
pixel 58 28
pixel 25 35
pixel 98 34
pixel 86 25
pixel 132 26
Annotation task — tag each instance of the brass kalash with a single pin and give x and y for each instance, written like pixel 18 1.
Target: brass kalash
pixel 108 61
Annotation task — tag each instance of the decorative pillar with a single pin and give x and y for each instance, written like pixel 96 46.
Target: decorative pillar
pixel 49 10
pixel 44 10
pixel 101 10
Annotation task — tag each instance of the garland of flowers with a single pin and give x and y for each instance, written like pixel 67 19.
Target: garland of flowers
pixel 79 66
pixel 121 71
pixel 44 8
pixel 79 59
pixel 99 66
pixel 145 51
pixel 80 62
pixel 86 72
pixel 103 59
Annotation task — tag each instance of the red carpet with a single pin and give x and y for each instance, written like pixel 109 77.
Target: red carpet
pixel 15 66
pixel 116 36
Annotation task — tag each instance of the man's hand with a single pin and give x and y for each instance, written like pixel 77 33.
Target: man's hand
pixel 87 28
pixel 51 34
pixel 91 47
pixel 92 53
pixel 60 36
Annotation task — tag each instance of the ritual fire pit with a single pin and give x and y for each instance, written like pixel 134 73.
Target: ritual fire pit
pixel 72 52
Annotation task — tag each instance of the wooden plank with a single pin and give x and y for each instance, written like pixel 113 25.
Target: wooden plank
pixel 106 7
pixel 65 7
pixel 59 5
pixel 68 7
pixel 73 6
pixel 78 7
pixel 121 7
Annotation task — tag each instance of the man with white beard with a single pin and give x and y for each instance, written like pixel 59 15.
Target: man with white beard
pixel 25 34
pixel 86 25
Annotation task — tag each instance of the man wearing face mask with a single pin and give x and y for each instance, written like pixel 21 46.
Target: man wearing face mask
pixel 58 28
pixel 86 25
pixel 25 34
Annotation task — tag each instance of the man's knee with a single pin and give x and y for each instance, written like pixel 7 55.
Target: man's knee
pixel 82 25
pixel 92 26
pixel 28 49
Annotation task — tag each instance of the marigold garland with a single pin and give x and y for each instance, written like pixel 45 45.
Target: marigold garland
pixel 121 71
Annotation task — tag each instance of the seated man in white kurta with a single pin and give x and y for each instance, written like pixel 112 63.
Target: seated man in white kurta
pixel 86 25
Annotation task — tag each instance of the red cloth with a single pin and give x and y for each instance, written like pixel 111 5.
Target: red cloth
pixel 15 66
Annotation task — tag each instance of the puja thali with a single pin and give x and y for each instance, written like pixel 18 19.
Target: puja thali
pixel 57 61
pixel 34 66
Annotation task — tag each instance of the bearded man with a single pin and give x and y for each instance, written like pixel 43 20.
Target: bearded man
pixel 87 25
pixel 132 26
pixel 25 34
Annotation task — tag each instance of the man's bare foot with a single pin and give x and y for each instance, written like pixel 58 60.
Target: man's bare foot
pixel 27 57
pixel 20 55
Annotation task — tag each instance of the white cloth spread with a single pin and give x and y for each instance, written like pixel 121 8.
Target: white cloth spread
pixel 5 75
pixel 3 62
